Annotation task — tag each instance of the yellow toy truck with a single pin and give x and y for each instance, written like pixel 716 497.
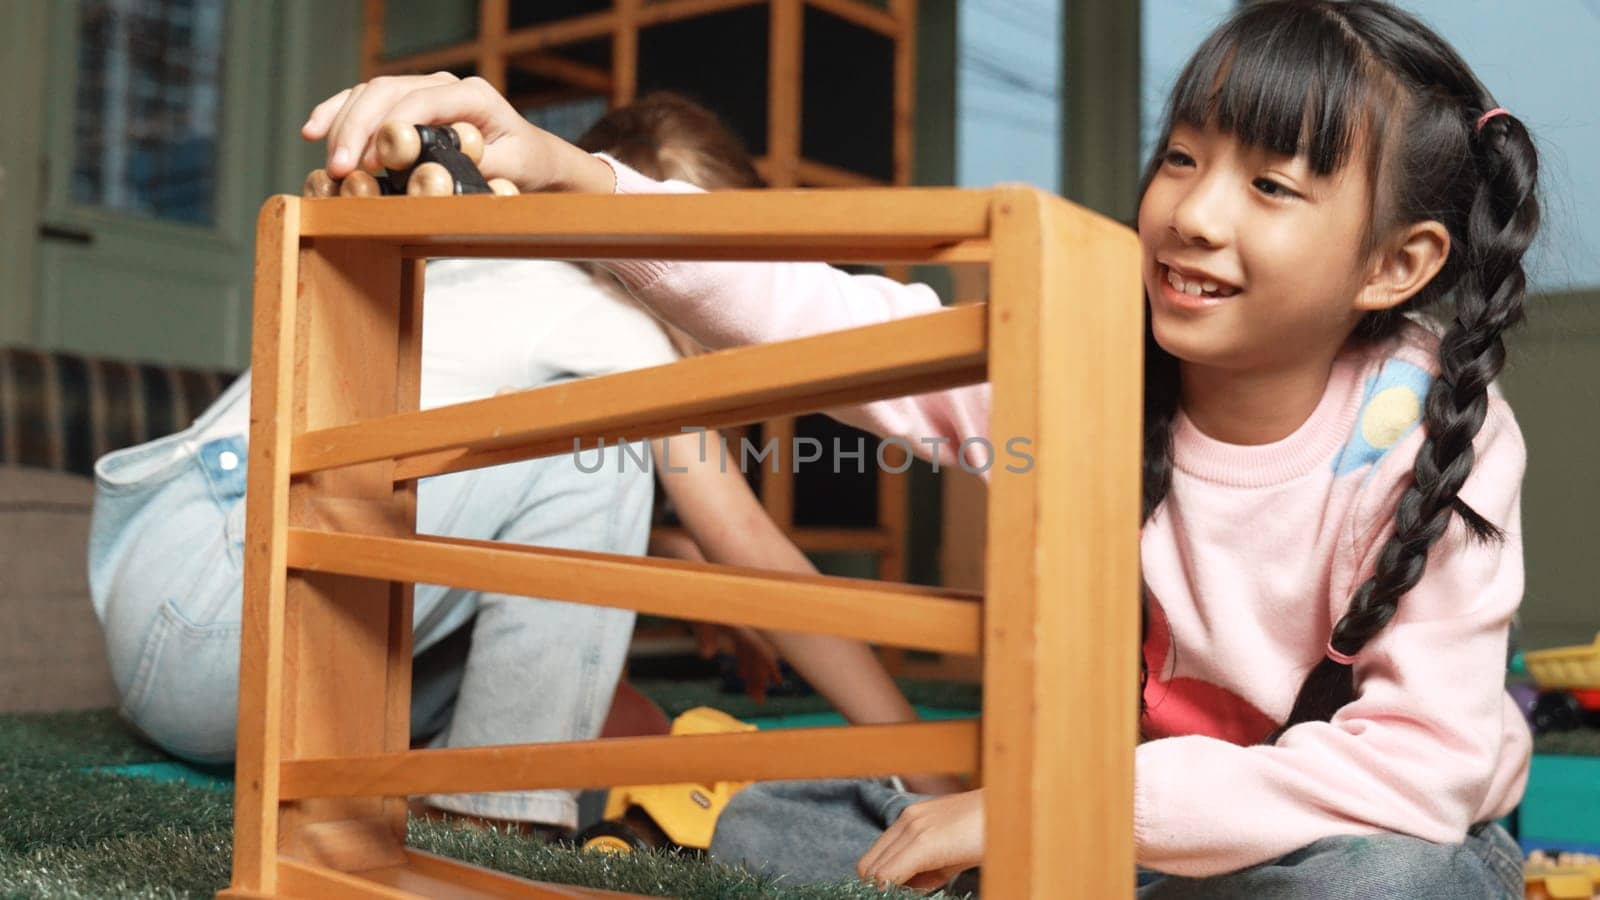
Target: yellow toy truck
pixel 664 815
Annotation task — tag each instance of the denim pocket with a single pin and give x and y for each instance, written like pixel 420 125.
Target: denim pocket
pixel 185 692
pixel 1500 854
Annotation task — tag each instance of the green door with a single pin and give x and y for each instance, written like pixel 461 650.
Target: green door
pixel 155 163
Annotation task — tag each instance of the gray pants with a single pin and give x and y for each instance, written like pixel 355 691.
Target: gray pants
pixel 808 831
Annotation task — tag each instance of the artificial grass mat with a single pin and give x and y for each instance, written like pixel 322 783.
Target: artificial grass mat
pixel 71 829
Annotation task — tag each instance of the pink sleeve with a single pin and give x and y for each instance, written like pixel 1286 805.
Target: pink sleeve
pixel 731 304
pixel 1429 747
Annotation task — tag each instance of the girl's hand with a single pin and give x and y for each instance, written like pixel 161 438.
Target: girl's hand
pixel 513 147
pixel 931 842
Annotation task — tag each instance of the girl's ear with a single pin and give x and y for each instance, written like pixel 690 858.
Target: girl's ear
pixel 1404 265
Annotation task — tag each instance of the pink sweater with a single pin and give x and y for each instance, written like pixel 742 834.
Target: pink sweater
pixel 1249 561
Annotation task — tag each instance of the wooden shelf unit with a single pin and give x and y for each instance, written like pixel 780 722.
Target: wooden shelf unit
pixel 331 550
pixel 545 48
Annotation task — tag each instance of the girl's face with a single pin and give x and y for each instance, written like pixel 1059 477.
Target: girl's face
pixel 1272 249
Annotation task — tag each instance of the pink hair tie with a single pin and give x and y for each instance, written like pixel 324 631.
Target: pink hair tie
pixel 1497 111
pixel 1338 657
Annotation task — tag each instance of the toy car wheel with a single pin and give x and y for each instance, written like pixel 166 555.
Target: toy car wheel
pixel 610 837
pixel 1557 711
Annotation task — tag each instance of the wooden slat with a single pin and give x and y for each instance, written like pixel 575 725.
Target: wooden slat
pixel 660 12
pixel 908 355
pixel 867 750
pixel 313 882
pixel 859 13
pixel 534 99
pixel 960 252
pixel 266 550
pixel 567 31
pixel 559 68
pixel 494 884
pixel 563 31
pixel 920 217
pixel 443 462
pixel 449 57
pixel 1061 612
pixel 811 173
pixel 340 679
pixel 895 614
pixel 820 540
pixel 422 875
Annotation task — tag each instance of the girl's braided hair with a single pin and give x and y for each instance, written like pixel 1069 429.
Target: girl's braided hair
pixel 1322 77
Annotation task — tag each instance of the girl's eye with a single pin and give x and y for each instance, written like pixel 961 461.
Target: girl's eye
pixel 1273 189
pixel 1176 158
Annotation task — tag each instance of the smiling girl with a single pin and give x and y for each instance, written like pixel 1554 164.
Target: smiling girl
pixel 1333 230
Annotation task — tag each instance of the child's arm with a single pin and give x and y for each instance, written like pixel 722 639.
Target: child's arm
pixel 729 526
pixel 1430 745
pixel 720 304
pixel 731 304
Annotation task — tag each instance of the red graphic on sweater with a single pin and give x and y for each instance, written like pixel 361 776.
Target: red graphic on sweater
pixel 1181 706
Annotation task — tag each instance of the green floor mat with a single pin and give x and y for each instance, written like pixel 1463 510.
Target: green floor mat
pixel 92 812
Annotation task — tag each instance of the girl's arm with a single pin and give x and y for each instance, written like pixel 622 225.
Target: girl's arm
pixel 732 304
pixel 730 527
pixel 721 305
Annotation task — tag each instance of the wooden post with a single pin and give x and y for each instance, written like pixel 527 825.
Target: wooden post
pixel 625 53
pixel 372 13
pixel 491 40
pixel 255 849
pixel 339 676
pixel 1061 613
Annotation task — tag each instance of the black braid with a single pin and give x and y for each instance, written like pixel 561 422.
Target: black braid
pixel 1501 219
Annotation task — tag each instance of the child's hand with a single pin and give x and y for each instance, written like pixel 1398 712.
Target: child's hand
pixel 931 842
pixel 514 148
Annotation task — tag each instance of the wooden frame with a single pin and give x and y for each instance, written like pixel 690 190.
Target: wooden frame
pixel 495 47
pixel 331 549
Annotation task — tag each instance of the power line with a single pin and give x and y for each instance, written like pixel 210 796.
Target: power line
pixel 1032 125
pixel 1010 81
pixel 1009 15
pixel 982 65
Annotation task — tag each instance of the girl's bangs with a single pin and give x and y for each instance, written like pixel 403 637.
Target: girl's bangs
pixel 1295 84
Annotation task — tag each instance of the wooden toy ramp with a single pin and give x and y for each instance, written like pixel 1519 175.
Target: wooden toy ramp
pixel 337 446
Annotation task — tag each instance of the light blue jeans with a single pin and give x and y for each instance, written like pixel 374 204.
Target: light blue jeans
pixel 165 574
pixel 809 831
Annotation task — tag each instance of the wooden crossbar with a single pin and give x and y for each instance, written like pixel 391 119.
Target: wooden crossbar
pixel 419 874
pixel 896 615
pixel 866 750
pixel 955 253
pixel 878 217
pixel 913 355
